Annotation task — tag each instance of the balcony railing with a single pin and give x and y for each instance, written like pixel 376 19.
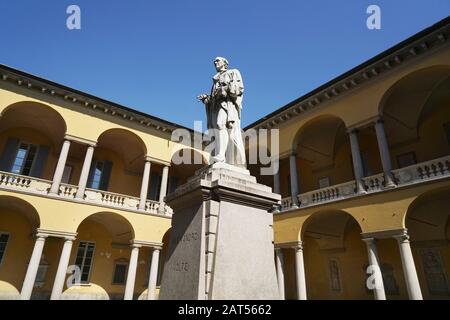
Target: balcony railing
pixel 424 171
pixel 418 173
pixel 15 182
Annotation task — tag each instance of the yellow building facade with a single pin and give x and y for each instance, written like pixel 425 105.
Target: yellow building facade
pixel 363 173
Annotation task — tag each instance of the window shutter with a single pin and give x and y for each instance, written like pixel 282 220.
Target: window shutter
pixel 39 162
pixel 106 174
pixel 9 154
pixel 91 173
pixel 152 193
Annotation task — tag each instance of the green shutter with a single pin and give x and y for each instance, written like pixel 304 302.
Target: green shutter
pixel 39 162
pixel 106 175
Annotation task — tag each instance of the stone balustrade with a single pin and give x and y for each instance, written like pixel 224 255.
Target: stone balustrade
pixel 67 190
pixel 15 182
pixel 374 183
pixel 417 173
pixel 286 203
pixel 327 194
pixel 424 171
pixel 11 181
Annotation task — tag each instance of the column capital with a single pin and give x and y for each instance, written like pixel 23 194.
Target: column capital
pixel 403 237
pixel 299 246
pixel 378 119
pixel 352 130
pixel 88 142
pixel 57 234
pixel 290 245
pixel 135 246
pixel 157 161
pixel 154 245
pixel 369 240
pixel 40 236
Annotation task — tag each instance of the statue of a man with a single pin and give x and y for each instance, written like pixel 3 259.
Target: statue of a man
pixel 223 111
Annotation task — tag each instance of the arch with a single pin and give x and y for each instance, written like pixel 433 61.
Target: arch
pixel 329 227
pixel 118 226
pixel 409 99
pixel 126 144
pixel 37 116
pixel 22 206
pixel 427 217
pixel 312 123
pixel 427 220
pixel 19 220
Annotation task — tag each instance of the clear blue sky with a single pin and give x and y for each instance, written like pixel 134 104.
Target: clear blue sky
pixel 156 56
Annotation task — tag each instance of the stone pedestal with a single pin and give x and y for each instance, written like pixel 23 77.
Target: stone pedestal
pixel 221 242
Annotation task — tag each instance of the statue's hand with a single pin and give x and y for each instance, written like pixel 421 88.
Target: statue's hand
pixel 203 98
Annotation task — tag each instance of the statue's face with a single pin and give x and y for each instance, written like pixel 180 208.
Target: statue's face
pixel 220 65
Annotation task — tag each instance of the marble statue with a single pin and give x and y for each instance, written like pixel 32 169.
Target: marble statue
pixel 223 111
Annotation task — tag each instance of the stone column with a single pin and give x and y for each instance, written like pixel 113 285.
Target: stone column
pixel 384 153
pixel 163 191
pixel 357 162
pixel 378 291
pixel 280 271
pixel 58 285
pixel 85 172
pixel 30 277
pixel 60 167
pixel 300 272
pixel 294 179
pixel 131 276
pixel 153 274
pixel 409 268
pixel 144 185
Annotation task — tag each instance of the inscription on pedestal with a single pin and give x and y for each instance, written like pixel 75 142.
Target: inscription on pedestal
pixel 184 268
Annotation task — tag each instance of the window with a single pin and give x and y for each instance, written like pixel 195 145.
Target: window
pixel 24 158
pixel 85 255
pixel 120 272
pixel 406 159
pixel 4 237
pixel 324 182
pixel 97 176
pixel 67 174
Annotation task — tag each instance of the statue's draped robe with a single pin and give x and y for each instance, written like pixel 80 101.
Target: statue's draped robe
pixel 227 93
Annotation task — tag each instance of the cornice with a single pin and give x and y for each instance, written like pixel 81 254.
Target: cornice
pixel 83 100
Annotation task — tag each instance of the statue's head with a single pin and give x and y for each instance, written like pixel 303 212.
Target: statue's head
pixel 221 64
